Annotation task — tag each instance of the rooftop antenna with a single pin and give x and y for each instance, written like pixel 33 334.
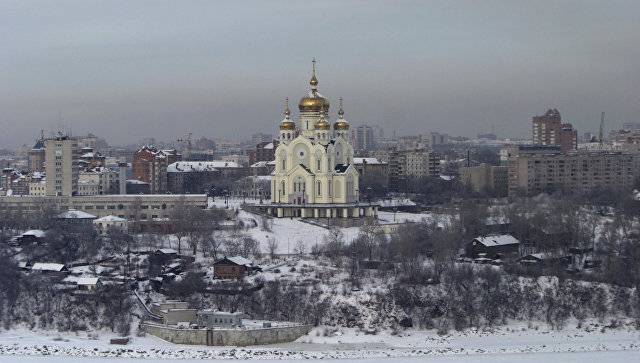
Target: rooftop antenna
pixel 601 136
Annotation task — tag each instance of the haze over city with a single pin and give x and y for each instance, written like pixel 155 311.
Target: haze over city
pixel 128 70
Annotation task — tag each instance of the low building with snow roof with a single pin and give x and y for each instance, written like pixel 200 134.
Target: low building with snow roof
pixel 372 170
pixel 103 224
pixel 31 236
pixel 73 216
pixel 49 268
pixel 235 267
pixel 493 246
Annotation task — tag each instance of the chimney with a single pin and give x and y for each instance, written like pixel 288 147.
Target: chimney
pixel 122 177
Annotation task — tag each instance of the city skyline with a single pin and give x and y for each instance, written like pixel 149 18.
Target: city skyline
pixel 157 70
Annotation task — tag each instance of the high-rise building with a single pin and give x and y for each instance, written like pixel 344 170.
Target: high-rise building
pixel 150 166
pixel 36 156
pixel 548 129
pixel 61 165
pixel 410 164
pixel 363 138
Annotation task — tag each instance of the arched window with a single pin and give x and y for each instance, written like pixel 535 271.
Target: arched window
pixel 330 187
pixel 283 188
pixel 319 187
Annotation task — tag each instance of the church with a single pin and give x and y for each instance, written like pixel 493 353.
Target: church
pixel 314 175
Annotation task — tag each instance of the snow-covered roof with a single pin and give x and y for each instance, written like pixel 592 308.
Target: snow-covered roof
pixel 497 240
pixel 403 202
pixel 87 280
pixel 199 166
pixel 76 214
pixel 359 161
pixel 260 177
pixel 47 266
pixel 447 177
pixel 167 251
pixel 262 164
pixel 268 146
pixel 38 233
pixel 239 260
pixel 135 181
pixel 110 218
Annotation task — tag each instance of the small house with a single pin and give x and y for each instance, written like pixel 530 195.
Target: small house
pixel 49 267
pixel 493 246
pixel 162 256
pixel 31 236
pixel 105 223
pixel 233 268
pixel 88 284
pixel 76 217
pixel 544 260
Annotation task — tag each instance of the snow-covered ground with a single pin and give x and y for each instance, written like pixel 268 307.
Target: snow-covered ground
pixel 288 232
pixel 567 357
pixel 515 342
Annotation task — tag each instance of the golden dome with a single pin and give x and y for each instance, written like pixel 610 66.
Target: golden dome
pixel 287 124
pixel 322 124
pixel 313 103
pixel 341 125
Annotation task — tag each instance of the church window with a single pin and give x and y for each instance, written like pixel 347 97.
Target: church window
pixel 319 187
pixel 284 163
pixel 318 164
pixel 282 190
pixel 330 187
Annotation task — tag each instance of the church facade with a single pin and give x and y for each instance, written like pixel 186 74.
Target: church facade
pixel 314 175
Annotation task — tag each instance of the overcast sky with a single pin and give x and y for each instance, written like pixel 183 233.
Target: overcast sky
pixel 132 69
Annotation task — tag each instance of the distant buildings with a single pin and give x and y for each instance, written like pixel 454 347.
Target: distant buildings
pixel 150 166
pixel 61 165
pixel 372 169
pixel 264 151
pixel 486 178
pixel 36 156
pixel 201 176
pixel 408 164
pixel 363 138
pixel 548 129
pixel 536 169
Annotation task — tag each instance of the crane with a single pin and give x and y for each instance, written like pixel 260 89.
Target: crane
pixel 187 140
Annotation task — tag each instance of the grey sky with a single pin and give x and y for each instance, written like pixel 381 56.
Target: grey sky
pixel 129 69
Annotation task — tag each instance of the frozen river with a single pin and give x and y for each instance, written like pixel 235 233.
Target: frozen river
pixel 577 357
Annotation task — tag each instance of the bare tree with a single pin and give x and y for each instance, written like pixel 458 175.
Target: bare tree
pixel 272 247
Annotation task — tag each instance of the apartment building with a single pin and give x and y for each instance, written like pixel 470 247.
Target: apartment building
pixel 537 171
pixel 549 129
pixel 486 178
pixel 150 166
pixel 61 165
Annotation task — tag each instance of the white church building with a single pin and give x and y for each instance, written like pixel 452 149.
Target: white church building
pixel 314 175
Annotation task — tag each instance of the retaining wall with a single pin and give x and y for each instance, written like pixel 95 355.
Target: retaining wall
pixel 232 337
